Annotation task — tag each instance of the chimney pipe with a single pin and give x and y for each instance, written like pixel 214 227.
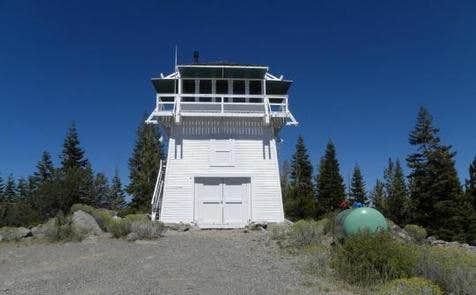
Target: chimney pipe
pixel 195 57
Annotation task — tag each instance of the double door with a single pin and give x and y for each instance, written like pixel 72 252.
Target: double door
pixel 222 201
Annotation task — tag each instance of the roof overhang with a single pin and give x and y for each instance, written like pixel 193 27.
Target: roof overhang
pixel 165 85
pixel 222 71
pixel 278 87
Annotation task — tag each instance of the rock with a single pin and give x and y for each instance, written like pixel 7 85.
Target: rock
pixel 131 237
pixel 438 243
pixel 179 227
pixel 41 231
pixel 85 223
pixel 14 233
pixel 399 233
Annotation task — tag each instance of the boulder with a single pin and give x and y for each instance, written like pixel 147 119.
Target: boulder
pixel 399 233
pixel 131 237
pixel 14 233
pixel 85 223
pixel 42 230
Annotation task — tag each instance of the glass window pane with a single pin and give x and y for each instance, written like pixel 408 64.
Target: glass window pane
pixel 205 86
pixel 238 99
pixel 188 86
pixel 188 99
pixel 255 87
pixel 221 86
pixel 256 100
pixel 238 87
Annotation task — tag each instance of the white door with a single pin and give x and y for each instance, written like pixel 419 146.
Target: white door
pixel 210 201
pixel 223 202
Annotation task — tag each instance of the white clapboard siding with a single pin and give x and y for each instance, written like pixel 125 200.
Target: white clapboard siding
pixel 194 139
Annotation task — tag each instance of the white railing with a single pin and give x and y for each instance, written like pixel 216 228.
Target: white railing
pixel 239 105
pixel 156 197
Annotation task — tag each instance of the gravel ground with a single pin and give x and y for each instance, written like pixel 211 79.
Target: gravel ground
pixel 194 262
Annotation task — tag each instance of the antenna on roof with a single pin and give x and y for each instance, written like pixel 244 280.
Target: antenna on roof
pixel 195 57
pixel 176 52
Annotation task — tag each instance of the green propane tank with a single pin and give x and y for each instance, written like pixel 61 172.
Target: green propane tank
pixel 363 219
pixel 342 215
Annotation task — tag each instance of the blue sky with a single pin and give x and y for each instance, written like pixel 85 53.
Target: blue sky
pixel 361 69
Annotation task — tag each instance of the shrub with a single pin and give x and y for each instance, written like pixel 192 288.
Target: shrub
pixel 137 217
pixel 452 268
pixel 305 233
pixel 416 286
pixel 102 217
pixel 86 208
pixel 278 231
pixel 369 258
pixel 147 229
pixel 317 260
pixel 416 232
pixel 18 214
pixel 62 229
pixel 118 227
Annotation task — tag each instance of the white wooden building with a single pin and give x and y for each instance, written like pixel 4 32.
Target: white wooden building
pixel 222 122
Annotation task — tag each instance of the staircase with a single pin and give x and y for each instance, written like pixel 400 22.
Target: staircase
pixel 158 192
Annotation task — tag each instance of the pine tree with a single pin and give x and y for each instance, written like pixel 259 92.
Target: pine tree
pixel 330 185
pixel 101 191
pixel 2 190
pixel 299 202
pixel 10 192
pixel 471 184
pixel 144 166
pixel 116 193
pixel 72 155
pixel 379 201
pixel 470 199
pixel 435 189
pixel 22 189
pixel 396 192
pixel 357 187
pixel 285 173
pixel 44 168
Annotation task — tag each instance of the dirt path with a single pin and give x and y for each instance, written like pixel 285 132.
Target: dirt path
pixel 196 262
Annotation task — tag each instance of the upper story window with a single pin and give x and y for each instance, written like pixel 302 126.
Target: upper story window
pixel 238 87
pixel 206 86
pixel 188 86
pixel 221 87
pixel 255 87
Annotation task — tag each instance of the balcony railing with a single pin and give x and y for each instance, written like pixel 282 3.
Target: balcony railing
pixel 225 105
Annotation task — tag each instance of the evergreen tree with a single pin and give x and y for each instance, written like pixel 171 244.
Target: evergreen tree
pixel 101 192
pixel 299 202
pixel 435 189
pixel 285 173
pixel 72 155
pixel 396 192
pixel 116 194
pixel 471 184
pixel 330 185
pixel 44 168
pixel 2 190
pixel 77 173
pixel 22 189
pixel 357 187
pixel 10 192
pixel 470 200
pixel 379 201
pixel 144 166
